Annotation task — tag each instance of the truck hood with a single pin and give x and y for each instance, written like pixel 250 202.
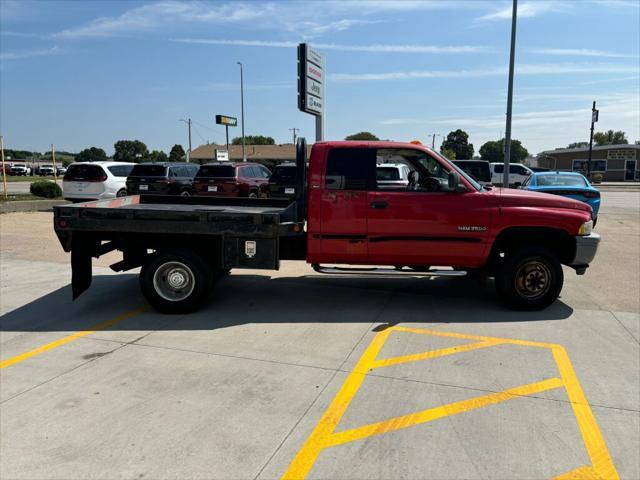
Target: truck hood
pixel 526 198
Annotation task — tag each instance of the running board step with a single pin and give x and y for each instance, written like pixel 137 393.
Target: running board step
pixel 387 272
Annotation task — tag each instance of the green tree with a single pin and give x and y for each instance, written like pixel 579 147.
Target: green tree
pixel 493 151
pixel 450 154
pixel 130 151
pixel 362 136
pixel 458 141
pixel 610 138
pixel 19 154
pixel 177 153
pixel 254 140
pixel 92 154
pixel 157 156
pixel 578 145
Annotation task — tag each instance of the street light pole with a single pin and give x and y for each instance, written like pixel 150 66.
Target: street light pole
pixel 244 156
pixel 507 139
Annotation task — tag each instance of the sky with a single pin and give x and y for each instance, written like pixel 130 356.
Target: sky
pixel 81 74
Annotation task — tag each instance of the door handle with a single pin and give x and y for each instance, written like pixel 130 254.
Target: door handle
pixel 380 205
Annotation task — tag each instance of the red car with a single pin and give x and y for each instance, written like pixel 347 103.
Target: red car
pixel 231 179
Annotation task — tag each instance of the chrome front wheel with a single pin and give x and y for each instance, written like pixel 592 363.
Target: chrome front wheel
pixel 173 281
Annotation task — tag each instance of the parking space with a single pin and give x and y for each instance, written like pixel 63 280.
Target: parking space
pixel 294 375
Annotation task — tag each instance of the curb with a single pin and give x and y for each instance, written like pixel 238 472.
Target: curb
pixel 30 206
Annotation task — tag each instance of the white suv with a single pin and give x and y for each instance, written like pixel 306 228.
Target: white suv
pixel 518 173
pixel 96 180
pixel 392 175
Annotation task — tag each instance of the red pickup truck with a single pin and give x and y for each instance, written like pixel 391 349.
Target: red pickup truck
pixel 442 223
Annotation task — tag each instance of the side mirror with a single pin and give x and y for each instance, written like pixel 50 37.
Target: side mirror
pixel 454 181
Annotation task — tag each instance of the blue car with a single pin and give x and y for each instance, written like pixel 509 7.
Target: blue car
pixel 568 184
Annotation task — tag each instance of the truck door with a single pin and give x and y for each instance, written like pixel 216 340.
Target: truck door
pixel 348 175
pixel 424 224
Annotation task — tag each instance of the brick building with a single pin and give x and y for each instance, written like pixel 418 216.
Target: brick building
pixel 614 162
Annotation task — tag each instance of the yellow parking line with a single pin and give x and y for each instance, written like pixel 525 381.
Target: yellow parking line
pixel 69 338
pixel 386 362
pixel 323 436
pixel 591 435
pixel 430 414
pixel 437 333
pixel 306 457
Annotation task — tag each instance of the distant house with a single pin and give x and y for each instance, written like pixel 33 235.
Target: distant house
pixel 614 162
pixel 268 155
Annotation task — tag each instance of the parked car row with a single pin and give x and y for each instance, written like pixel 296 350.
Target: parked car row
pixel 102 180
pixel 24 170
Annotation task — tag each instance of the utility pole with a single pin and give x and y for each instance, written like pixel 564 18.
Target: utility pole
pixel 4 171
pixel 244 156
pixel 53 160
pixel 188 122
pixel 512 56
pixel 594 119
pixel 433 140
pixel 294 130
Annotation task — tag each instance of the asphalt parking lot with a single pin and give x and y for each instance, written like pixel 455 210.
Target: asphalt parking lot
pixel 294 375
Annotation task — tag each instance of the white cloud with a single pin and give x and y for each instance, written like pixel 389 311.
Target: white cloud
pixel 607 80
pixel 303 18
pixel 376 48
pixel 297 17
pixel 156 15
pixel 20 54
pixel 522 69
pixel 581 52
pixel 525 10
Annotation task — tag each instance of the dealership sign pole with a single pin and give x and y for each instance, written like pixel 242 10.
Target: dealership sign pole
pixel 227 121
pixel 311 85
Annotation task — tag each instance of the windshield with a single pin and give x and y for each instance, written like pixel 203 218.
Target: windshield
pixel 149 171
pixel 284 174
pixel 478 170
pixel 217 171
pixel 475 184
pixel 83 172
pixel 554 180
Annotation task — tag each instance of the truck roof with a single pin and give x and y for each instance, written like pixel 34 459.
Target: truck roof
pixel 377 144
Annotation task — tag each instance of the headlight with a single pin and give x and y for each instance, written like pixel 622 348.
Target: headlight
pixel 586 228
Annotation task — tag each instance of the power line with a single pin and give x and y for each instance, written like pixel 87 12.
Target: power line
pixel 198 133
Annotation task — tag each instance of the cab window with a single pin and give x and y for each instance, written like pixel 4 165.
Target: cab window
pixel 416 171
pixel 350 169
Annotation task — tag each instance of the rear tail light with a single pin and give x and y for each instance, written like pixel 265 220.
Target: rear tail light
pixel 592 194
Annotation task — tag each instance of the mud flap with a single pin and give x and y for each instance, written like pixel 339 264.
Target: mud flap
pixel 81 271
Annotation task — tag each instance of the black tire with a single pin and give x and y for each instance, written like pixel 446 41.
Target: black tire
pixel 529 278
pixel 185 193
pixel 595 221
pixel 196 274
pixel 253 194
pixel 121 193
